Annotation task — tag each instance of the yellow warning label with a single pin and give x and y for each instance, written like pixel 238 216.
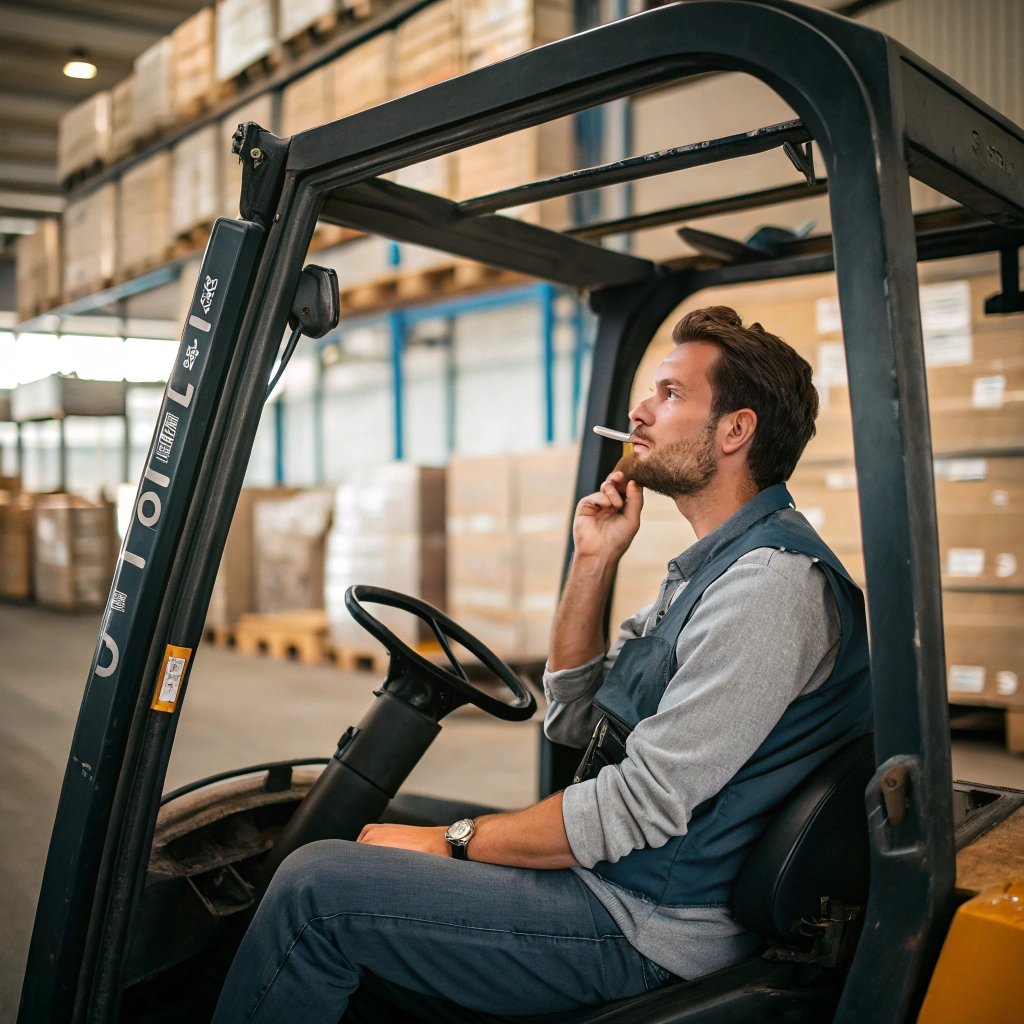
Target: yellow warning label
pixel 170 678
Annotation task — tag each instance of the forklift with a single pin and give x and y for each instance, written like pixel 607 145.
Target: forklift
pixel 883 890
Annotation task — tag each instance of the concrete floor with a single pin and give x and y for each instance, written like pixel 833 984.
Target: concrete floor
pixel 242 710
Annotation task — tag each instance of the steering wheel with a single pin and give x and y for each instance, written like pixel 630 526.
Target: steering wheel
pixel 453 681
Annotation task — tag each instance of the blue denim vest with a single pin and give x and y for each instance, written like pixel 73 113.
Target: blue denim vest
pixel 699 868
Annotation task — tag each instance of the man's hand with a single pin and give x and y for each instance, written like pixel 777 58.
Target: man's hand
pixel 607 520
pixel 418 838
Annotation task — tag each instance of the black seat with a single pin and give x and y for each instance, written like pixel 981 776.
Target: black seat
pixel 805 879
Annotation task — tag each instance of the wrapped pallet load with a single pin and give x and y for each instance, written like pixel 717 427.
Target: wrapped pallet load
pixel 38 269
pixel 389 531
pixel 123 130
pixel 83 136
pixel 246 34
pixel 16 533
pixel 196 199
pixel 74 551
pixel 90 242
pixel 144 215
pixel 152 96
pixel 194 80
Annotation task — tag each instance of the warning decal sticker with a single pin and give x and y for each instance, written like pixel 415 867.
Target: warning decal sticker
pixel 170 678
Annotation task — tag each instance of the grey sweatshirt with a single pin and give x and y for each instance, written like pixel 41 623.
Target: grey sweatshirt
pixel 764 633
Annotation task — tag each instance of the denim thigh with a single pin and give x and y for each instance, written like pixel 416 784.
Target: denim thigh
pixel 508 941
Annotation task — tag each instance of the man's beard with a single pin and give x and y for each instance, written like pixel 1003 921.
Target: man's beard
pixel 682 469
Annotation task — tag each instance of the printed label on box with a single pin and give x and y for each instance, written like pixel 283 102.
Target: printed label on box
pixel 945 306
pixel 1006 683
pixel 967 678
pixel 961 469
pixel 948 348
pixel 826 316
pixel 988 392
pixel 1000 499
pixel 1006 564
pixel 965 561
pixel 841 479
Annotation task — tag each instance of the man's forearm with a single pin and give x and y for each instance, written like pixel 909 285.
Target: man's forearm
pixel 532 838
pixel 577 633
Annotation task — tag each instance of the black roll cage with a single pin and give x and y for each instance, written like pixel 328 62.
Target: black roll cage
pixel 878 115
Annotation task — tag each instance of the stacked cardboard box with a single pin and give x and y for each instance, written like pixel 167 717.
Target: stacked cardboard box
pixel 261 111
pixel 496 29
pixel 16 545
pixel 153 95
pixel 389 531
pixel 122 118
pixel 38 269
pixel 144 215
pixel 508 519
pixel 83 136
pixel 234 591
pixel 984 652
pixel 90 242
pixel 74 551
pixel 193 60
pixel 196 198
pixel 363 76
pixel 290 538
pixel 57 396
pixel 305 103
pixel 246 33
pixel 428 47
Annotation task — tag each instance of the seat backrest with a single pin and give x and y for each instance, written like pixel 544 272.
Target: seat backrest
pixel 816 845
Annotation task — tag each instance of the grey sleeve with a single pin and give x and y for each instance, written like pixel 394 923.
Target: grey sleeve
pixel 571 716
pixel 763 633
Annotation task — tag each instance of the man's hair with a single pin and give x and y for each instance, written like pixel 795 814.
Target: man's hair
pixel 757 370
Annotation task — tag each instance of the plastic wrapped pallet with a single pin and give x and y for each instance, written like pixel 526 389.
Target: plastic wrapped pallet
pixel 74 551
pixel 152 97
pixel 234 591
pixel 122 118
pixel 363 77
pixel 305 102
pixel 61 395
pixel 83 135
pixel 16 545
pixel 196 199
pixel 389 531
pixel 193 59
pixel 428 47
pixel 290 539
pixel 90 242
pixel 260 110
pixel 246 33
pixel 144 215
pixel 295 16
pixel 38 269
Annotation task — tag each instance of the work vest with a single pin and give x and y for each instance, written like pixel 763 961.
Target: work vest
pixel 699 867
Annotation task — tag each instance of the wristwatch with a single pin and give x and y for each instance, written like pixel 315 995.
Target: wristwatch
pixel 458 837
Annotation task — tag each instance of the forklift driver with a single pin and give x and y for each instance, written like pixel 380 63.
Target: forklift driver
pixel 745 675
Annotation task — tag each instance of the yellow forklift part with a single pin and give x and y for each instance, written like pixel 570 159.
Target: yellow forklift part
pixel 977 978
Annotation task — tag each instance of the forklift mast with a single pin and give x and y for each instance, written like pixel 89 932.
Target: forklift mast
pixel 878 115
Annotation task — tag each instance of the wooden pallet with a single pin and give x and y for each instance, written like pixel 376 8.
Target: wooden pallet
pixel 134 270
pixel 199 106
pixel 82 175
pixel 979 719
pixel 328 235
pixel 352 658
pixel 258 71
pixel 298 636
pixel 219 636
pixel 313 35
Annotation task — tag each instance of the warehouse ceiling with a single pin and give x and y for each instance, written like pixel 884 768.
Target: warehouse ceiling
pixel 36 38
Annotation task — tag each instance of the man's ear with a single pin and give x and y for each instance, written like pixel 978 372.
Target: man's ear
pixel 739 430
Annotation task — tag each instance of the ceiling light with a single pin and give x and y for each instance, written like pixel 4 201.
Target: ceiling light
pixel 79 66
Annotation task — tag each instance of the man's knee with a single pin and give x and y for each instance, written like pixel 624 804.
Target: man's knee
pixel 311 872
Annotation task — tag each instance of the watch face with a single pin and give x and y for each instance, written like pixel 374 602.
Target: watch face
pixel 461 830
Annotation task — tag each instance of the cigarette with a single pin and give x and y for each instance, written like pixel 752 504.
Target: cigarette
pixel 614 435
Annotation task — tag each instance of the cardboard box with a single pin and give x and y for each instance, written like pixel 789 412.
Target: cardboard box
pixel 90 242
pixel 393 498
pixel 196 199
pixel 38 269
pixel 984 648
pixel 428 47
pixel 144 215
pixel 290 546
pixel 481 494
pixel 58 396
pixel 363 77
pixel 153 92
pixel 234 592
pixel 496 29
pixel 16 534
pixel 295 16
pixel 75 551
pixel 193 60
pixel 122 118
pixel 306 102
pixel 246 33
pixel 83 135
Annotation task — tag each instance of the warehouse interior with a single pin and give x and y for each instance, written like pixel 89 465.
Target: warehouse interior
pixel 429 443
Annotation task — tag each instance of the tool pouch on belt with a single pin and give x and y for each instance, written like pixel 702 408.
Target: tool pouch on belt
pixel 607 746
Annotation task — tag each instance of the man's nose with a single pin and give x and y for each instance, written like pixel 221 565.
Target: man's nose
pixel 639 413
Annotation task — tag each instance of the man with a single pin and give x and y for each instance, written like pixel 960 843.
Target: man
pixel 747 673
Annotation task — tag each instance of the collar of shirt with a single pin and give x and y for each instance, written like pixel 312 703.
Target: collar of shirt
pixel 684 566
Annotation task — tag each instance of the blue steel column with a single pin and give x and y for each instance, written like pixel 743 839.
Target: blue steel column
pixel 279 416
pixel 397 327
pixel 547 312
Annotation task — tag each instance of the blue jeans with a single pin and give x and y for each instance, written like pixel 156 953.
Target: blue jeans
pixel 507 941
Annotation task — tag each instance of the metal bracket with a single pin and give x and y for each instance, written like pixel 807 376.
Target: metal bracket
pixel 262 156
pixel 832 934
pixel 1010 299
pixel 801 156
